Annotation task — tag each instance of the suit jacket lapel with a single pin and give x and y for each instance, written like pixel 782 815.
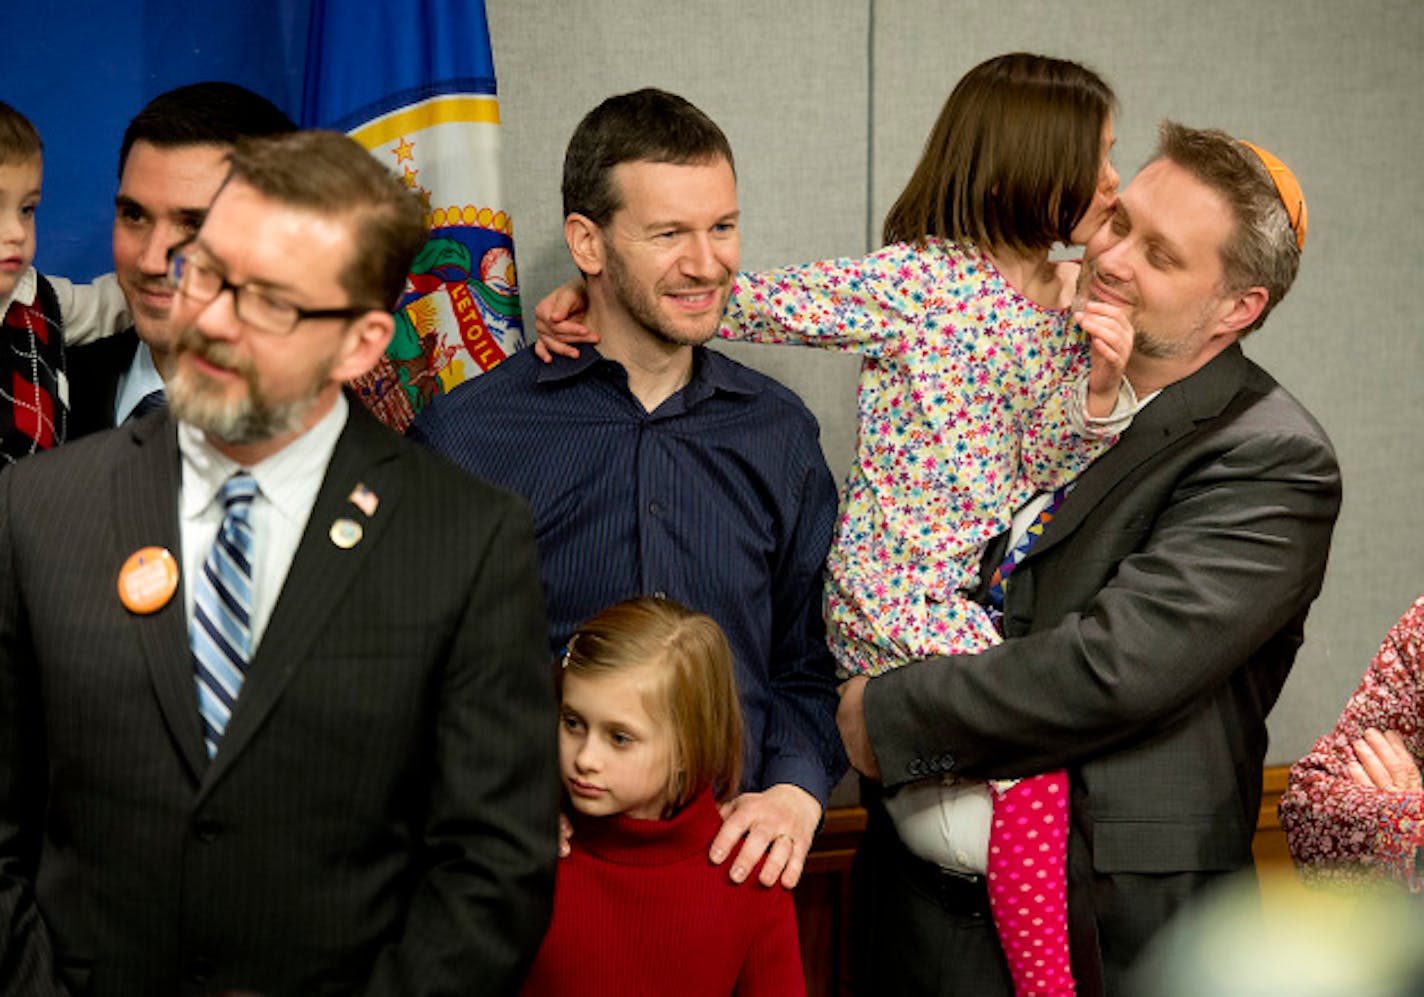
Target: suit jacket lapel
pixel 319 577
pixel 1172 414
pixel 145 514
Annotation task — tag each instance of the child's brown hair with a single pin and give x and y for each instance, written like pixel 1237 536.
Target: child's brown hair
pixel 1012 160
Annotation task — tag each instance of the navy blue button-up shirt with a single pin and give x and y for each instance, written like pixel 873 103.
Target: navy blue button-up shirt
pixel 720 499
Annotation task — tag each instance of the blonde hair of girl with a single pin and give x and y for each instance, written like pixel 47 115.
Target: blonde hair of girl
pixel 695 694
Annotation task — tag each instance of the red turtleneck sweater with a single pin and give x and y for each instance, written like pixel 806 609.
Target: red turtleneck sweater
pixel 640 910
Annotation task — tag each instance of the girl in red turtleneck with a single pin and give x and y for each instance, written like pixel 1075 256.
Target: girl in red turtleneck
pixel 650 739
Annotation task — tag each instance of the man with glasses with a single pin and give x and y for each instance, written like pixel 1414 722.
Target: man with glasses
pixel 257 733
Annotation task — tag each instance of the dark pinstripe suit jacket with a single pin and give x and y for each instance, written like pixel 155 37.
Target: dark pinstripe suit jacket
pixel 380 817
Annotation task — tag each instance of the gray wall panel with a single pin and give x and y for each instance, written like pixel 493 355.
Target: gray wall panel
pixel 827 105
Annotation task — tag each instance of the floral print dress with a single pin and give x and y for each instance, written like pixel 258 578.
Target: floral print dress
pixel 970 402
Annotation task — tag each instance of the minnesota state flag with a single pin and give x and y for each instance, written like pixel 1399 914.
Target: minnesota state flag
pixel 413 81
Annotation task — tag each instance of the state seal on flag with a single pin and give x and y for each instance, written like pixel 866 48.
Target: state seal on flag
pixel 460 313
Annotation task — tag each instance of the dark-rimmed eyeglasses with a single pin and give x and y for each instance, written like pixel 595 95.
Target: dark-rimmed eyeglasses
pixel 251 303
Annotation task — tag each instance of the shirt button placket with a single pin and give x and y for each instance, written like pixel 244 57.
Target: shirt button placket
pixel 648 510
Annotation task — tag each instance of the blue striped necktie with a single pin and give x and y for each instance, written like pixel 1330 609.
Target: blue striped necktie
pixel 221 631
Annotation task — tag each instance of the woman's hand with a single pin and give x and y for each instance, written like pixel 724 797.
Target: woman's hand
pixel 1383 761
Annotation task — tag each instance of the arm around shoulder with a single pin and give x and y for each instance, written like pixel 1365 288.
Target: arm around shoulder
pixel 91 311
pixel 864 306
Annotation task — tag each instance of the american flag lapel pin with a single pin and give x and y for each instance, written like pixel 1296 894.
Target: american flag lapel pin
pixel 364 499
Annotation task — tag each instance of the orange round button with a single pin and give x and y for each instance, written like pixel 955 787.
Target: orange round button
pixel 148 580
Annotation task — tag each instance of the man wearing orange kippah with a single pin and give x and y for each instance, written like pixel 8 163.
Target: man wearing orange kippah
pixel 1151 626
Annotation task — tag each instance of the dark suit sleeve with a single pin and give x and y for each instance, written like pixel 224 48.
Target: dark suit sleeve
pixel 483 904
pixel 801 743
pixel 1230 561
pixel 26 960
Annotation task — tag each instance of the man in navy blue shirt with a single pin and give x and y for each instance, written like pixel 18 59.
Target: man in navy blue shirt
pixel 657 467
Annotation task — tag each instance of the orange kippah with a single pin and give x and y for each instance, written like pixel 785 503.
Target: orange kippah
pixel 1288 187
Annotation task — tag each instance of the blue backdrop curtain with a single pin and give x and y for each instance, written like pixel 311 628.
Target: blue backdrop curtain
pixel 412 80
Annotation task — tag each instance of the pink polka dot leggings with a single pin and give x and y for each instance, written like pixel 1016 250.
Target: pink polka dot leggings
pixel 1028 883
pixel 1028 841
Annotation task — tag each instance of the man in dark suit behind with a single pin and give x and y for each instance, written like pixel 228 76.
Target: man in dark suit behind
pixel 172 160
pixel 1150 629
pixel 358 794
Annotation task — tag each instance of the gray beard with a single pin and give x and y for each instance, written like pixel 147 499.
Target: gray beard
pixel 237 423
pixel 253 419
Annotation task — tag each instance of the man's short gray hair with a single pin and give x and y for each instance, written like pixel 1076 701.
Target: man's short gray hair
pixel 1261 250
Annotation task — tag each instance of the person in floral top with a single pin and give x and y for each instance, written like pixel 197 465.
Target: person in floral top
pixel 1354 805
pixel 983 383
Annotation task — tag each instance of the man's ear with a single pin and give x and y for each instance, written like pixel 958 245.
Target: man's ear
pixel 1242 308
pixel 585 242
pixel 362 345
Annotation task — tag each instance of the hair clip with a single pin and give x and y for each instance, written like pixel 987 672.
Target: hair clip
pixel 566 650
